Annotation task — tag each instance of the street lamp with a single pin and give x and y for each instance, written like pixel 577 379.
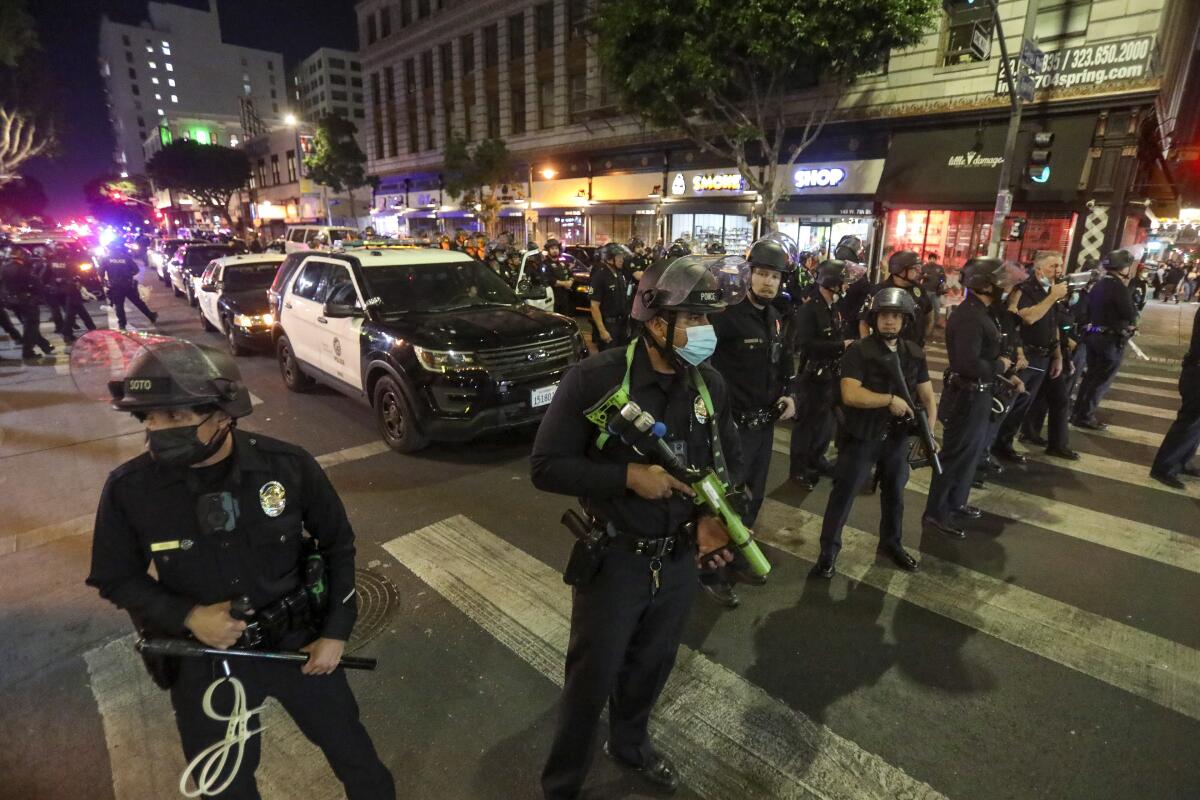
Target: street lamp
pixel 548 173
pixel 290 119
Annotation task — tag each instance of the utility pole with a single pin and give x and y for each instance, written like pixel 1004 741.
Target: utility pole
pixel 1004 190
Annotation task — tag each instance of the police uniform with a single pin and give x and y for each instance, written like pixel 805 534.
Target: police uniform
pixel 145 516
pixel 624 631
pixel 120 273
pixel 1011 346
pixel 22 291
pixel 916 331
pixel 1053 400
pixel 1178 448
pixel 820 342
pixel 871 436
pixel 1040 344
pixel 973 344
pixel 610 288
pixel 1110 316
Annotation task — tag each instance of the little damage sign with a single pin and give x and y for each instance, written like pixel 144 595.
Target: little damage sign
pixel 1089 65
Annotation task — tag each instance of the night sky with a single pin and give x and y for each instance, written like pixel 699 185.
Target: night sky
pixel 69 31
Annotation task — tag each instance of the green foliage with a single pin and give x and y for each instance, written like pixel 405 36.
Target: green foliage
pixel 17 33
pixel 22 199
pixel 337 160
pixel 477 175
pixel 209 173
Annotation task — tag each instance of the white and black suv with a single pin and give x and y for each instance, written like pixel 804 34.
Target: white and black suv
pixel 232 296
pixel 435 342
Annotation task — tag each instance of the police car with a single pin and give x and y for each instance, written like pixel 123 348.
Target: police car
pixel 437 344
pixel 188 262
pixel 233 299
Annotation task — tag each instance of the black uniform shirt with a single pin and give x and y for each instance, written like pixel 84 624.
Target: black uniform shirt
pixel 147 513
pixel 611 291
pixel 118 270
pixel 1192 358
pixel 1110 304
pixel 914 332
pixel 19 280
pixel 565 458
pixel 820 335
pixel 858 295
pixel 973 341
pixel 1010 328
pixel 866 361
pixel 750 356
pixel 1044 332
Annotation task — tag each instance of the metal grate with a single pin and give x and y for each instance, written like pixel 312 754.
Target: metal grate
pixel 378 599
pixel 528 360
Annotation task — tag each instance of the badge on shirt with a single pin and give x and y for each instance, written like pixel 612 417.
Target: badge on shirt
pixel 700 410
pixel 272 499
pixel 916 290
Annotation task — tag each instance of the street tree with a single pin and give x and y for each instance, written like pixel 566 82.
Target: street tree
pixel 118 201
pixel 337 161
pixel 22 199
pixel 478 175
pixel 26 130
pixel 723 72
pixel 209 173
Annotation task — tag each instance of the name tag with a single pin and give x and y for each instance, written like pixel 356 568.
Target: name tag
pixel 175 544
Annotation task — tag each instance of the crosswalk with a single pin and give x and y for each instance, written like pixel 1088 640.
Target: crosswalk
pixel 733 737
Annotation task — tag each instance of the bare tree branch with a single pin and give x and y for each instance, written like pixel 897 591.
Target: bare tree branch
pixel 20 141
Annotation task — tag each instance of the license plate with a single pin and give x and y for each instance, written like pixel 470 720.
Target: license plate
pixel 543 396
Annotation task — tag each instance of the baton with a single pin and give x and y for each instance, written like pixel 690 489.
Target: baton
pixel 185 648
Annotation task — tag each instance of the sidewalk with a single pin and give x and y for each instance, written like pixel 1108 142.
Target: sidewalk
pixel 1165 331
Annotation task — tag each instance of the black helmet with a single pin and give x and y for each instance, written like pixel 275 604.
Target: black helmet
pixel 983 273
pixel 1117 260
pixel 696 284
pixel 832 273
pixel 893 298
pixel 611 250
pixel 902 261
pixel 552 242
pixel 849 248
pixel 164 372
pixel 714 248
pixel 678 249
pixel 770 254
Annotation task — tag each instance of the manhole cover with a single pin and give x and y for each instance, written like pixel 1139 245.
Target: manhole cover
pixel 377 601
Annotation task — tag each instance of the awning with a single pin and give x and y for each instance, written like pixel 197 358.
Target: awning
pixel 960 165
pixel 713 205
pixel 840 206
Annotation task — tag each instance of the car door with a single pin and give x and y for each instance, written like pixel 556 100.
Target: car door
pixel 301 310
pixel 208 300
pixel 341 349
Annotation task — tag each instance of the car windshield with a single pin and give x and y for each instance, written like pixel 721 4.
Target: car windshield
pixel 436 287
pixel 242 277
pixel 200 256
pixel 342 235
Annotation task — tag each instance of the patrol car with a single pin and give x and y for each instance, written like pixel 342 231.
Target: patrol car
pixel 437 344
pixel 188 262
pixel 233 299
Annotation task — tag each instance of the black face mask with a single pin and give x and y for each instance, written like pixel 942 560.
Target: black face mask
pixel 180 447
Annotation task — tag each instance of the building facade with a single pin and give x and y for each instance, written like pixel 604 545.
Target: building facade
pixel 328 81
pixel 910 158
pixel 172 69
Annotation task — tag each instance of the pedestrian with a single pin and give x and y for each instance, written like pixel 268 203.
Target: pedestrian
pixel 633 592
pixel 933 285
pixel 226 514
pixel 877 426
pixel 1005 395
pixel 1177 453
pixel 610 302
pixel 120 277
pixel 1111 322
pixel 821 337
pixel 23 293
pixel 904 272
pixel 973 346
pixel 754 359
pixel 255 245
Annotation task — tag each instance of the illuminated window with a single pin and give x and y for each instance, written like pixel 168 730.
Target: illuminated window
pixel 233 140
pixel 246 88
pixel 174 98
pixel 153 65
pixel 149 49
pixel 169 67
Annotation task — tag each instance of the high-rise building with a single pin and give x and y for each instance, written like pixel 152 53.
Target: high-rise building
pixel 328 81
pixel 173 71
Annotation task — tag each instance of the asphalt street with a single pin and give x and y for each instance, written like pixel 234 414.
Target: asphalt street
pixel 1054 653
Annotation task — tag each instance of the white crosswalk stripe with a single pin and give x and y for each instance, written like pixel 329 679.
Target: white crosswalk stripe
pixel 728 737
pixel 939 363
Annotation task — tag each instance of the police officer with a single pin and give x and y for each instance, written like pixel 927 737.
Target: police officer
pixel 877 424
pixel 629 609
pixel 756 364
pixel 973 345
pixel 189 399
pixel 610 298
pixel 556 275
pixel 904 272
pixel 933 284
pixel 120 276
pixel 1111 321
pixel 1176 455
pixel 22 292
pixel 1004 392
pixel 820 341
pixel 1036 301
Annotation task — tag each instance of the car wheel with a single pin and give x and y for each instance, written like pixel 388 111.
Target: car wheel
pixel 236 348
pixel 204 323
pixel 165 278
pixel 191 297
pixel 293 376
pixel 394 415
pixel 175 289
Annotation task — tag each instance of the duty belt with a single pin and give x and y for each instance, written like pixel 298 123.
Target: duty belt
pixel 965 384
pixel 1089 328
pixel 755 420
pixel 1040 352
pixel 656 547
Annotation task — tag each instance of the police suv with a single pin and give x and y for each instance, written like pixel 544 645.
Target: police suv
pixel 233 299
pixel 436 343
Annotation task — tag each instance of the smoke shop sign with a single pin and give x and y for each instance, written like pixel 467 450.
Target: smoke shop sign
pixel 704 183
pixel 807 178
pixel 973 160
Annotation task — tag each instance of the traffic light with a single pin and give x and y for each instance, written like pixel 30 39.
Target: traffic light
pixel 1038 168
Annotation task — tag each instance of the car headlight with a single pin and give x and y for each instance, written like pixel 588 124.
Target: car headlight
pixel 84 266
pixel 252 320
pixel 446 360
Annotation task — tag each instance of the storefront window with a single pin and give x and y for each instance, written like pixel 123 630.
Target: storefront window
pixel 568 229
pixel 733 231
pixel 957 236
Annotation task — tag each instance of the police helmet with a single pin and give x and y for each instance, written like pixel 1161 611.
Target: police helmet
pixel 1117 261
pixel 983 273
pixel 849 248
pixel 832 273
pixel 769 253
pixel 902 261
pixel 678 249
pixel 611 250
pixel 552 242
pixel 165 372
pixel 893 298
pixel 695 284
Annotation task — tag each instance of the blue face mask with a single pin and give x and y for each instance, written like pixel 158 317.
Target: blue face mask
pixel 701 342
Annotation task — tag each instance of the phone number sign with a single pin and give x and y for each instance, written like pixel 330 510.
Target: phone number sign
pixel 1089 65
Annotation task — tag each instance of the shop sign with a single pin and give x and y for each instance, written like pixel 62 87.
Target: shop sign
pixel 972 159
pixel 644 212
pixel 718 183
pixel 856 212
pixel 679 185
pixel 806 178
pixel 1088 65
pixel 426 200
pixel 572 213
